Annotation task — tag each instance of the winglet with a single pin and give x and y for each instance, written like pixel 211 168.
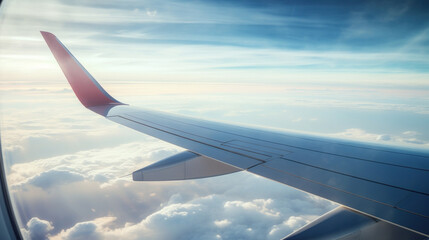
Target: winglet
pixel 86 88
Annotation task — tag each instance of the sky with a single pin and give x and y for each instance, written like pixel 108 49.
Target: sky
pixel 347 69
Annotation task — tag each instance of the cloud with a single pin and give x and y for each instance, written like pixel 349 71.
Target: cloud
pixel 407 137
pixel 222 223
pixel 54 177
pixel 355 133
pixel 82 179
pixel 192 39
pixel 102 165
pixel 145 209
pixel 247 220
pixel 91 230
pixel 293 222
pixel 151 13
pixel 59 132
pixel 82 231
pixel 384 137
pixel 258 205
pixel 37 229
pixel 68 162
pixel 254 207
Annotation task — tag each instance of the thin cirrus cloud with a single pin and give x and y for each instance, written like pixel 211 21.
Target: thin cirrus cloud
pixel 228 40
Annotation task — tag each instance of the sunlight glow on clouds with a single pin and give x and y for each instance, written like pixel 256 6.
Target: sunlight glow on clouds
pixel 90 156
pixel 351 70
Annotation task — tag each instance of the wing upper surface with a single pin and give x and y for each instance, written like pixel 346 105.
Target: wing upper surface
pixel 361 178
pixel 384 182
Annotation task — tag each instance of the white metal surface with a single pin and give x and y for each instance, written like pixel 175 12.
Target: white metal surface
pixel 362 178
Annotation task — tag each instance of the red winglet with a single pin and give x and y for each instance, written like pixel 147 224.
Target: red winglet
pixel 86 88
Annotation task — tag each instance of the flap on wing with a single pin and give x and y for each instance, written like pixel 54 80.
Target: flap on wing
pixel 333 225
pixel 345 224
pixel 185 165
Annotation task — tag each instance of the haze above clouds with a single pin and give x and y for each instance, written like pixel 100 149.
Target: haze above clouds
pixel 342 69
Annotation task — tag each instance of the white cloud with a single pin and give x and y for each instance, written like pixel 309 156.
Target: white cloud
pixel 292 223
pixel 194 220
pixel 146 209
pixel 54 177
pixel 37 229
pixel 59 131
pixel 295 222
pixel 205 217
pixel 411 133
pixel 151 13
pixel 91 230
pixel 407 137
pixel 82 231
pixel 259 205
pixel 103 165
pixel 225 207
pixel 72 160
pixel 384 137
pixel 222 223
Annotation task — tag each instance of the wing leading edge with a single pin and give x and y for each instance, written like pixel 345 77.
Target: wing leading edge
pixel 389 184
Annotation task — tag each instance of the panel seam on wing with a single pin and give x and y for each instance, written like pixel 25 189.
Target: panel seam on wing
pixel 302 148
pixel 190 139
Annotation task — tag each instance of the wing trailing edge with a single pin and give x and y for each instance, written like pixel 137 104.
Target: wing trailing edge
pixel 345 224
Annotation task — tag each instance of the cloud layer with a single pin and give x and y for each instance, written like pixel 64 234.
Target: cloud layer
pixel 83 173
pixel 218 206
pixel 353 70
pixel 82 159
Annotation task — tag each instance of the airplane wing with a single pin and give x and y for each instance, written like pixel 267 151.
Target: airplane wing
pixel 374 183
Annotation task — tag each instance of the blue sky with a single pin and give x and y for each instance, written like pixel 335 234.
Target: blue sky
pixel 349 69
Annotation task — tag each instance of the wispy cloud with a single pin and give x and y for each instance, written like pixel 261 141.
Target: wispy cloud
pixel 236 41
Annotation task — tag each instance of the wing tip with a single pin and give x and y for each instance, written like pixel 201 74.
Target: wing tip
pixel 47 34
pixel 87 89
